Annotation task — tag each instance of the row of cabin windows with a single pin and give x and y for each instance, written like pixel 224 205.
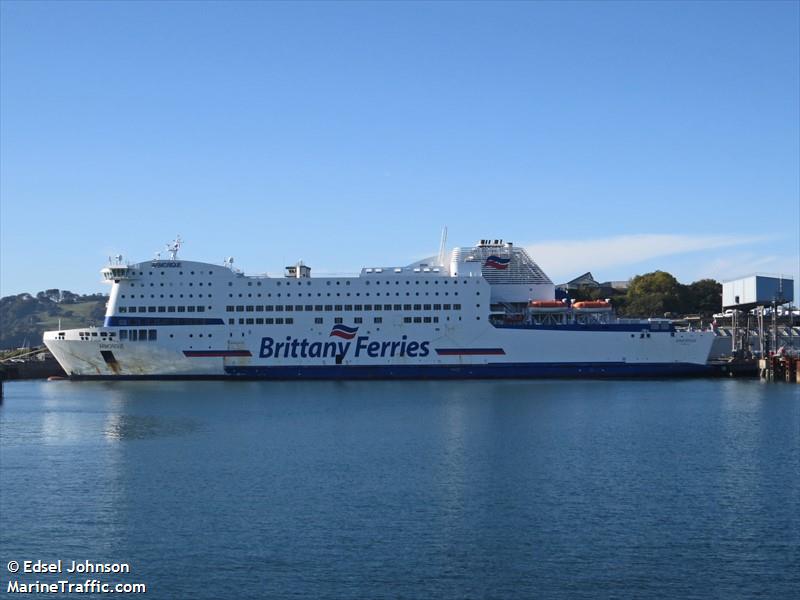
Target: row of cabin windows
pixel 263 321
pixel 179 273
pixel 356 320
pixel 339 307
pixel 338 294
pixel 171 272
pixel 320 320
pixel 85 335
pixel 191 284
pixel 161 309
pixel 117 272
pixel 422 319
pixel 138 335
pixel 445 280
pixel 375 281
pixel 162 295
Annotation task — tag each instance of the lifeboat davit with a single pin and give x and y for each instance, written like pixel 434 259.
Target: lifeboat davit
pixel 546 306
pixel 592 306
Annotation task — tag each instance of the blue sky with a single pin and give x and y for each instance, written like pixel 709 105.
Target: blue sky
pixel 612 137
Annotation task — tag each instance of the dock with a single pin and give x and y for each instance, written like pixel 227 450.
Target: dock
pixel 30 363
pixel 780 368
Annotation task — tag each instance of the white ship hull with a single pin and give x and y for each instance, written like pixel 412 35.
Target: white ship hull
pixel 502 353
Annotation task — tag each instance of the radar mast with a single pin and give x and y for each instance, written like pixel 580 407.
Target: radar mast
pixel 173 247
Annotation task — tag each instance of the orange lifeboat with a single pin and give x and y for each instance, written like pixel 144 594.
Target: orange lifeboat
pixel 592 305
pixel 546 306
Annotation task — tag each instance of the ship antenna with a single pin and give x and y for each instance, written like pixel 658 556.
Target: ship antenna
pixel 442 245
pixel 173 248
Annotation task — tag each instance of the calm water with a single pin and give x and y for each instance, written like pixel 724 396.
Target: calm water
pixel 557 489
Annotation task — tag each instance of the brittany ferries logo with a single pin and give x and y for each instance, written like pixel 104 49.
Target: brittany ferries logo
pixel 361 346
pixel 344 332
pixel 497 262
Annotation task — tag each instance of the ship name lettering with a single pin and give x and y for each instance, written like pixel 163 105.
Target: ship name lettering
pixel 295 348
pixel 391 349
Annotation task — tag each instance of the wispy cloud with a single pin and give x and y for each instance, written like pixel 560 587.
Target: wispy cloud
pixel 567 258
pixel 739 264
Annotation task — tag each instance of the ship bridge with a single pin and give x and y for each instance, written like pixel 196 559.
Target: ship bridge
pixel 117 270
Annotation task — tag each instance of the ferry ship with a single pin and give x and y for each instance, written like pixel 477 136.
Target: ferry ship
pixel 487 311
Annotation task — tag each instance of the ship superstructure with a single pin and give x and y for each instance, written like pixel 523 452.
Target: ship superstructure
pixel 488 312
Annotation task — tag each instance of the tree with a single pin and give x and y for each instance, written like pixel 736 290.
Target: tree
pixel 68 297
pixel 704 297
pixel 653 295
pixel 53 294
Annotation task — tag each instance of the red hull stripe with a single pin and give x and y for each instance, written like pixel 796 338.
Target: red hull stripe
pixel 213 353
pixel 468 351
pixel 342 334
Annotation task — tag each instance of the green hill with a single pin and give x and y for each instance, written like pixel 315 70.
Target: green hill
pixel 23 318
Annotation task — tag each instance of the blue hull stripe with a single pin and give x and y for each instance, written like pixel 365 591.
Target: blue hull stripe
pixel 490 371
pixel 610 327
